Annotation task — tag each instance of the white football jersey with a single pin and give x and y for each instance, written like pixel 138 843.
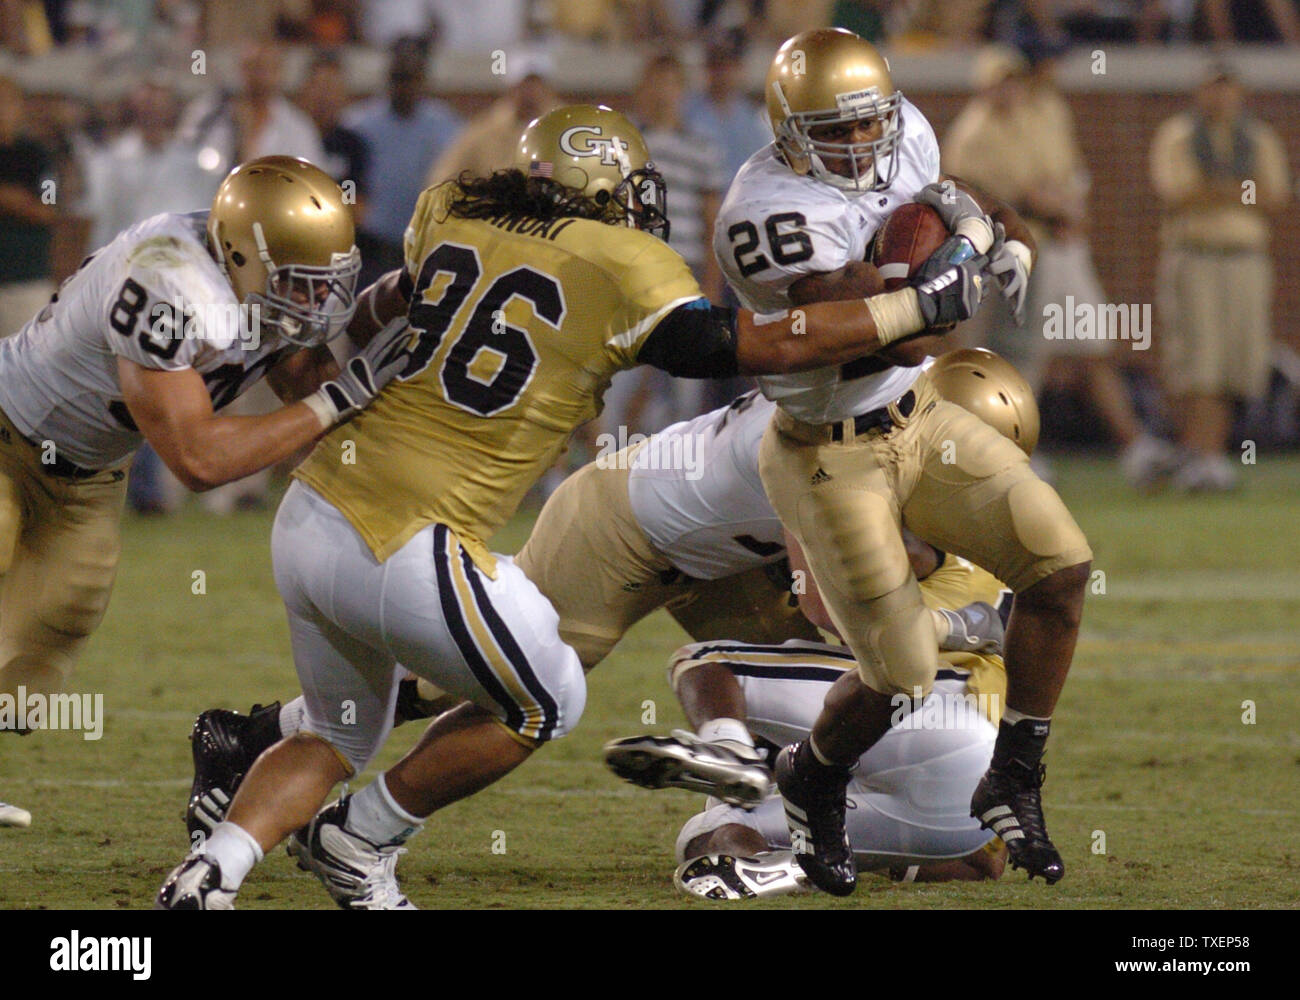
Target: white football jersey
pixel 155 296
pixel 776 226
pixel 695 491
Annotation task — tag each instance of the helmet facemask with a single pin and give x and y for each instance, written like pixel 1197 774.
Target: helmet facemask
pixel 642 199
pixel 867 105
pixel 307 305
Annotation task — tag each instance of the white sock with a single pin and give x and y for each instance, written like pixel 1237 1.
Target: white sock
pixel 235 850
pixel 718 730
pixel 291 716
pixel 1010 716
pixel 374 814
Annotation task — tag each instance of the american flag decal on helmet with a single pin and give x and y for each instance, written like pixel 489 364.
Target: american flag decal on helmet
pixel 541 168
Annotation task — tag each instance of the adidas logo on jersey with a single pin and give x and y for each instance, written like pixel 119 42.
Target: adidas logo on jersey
pixel 819 477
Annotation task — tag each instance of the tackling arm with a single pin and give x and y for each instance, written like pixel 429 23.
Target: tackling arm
pixel 860 280
pixel 174 412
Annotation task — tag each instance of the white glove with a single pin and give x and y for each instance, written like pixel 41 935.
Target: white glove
pixel 1011 265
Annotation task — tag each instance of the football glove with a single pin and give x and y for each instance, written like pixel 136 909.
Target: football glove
pixel 364 374
pixel 1010 265
pixel 960 213
pixel 954 295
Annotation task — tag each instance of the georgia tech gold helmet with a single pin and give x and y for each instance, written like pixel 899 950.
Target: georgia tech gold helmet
pixel 595 150
pixel 830 76
pixel 989 387
pixel 284 238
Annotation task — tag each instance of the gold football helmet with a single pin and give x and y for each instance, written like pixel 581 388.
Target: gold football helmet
pixel 284 238
pixel 830 77
pixel 595 150
pixel 989 387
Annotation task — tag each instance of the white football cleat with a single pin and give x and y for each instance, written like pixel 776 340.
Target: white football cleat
pixel 13 816
pixel 357 874
pixel 722 876
pixel 195 884
pixel 730 771
pixel 1148 461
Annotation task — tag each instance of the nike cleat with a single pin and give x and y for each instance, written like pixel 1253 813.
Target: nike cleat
pixel 814 811
pixel 195 884
pixel 224 745
pixel 14 816
pixel 721 876
pixel 1008 801
pixel 357 874
pixel 732 772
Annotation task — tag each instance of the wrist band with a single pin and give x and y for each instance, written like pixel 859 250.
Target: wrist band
pixel 897 314
pixel 978 231
pixel 320 404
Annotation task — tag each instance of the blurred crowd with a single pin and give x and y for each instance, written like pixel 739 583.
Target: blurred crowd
pixel 74 173
pixel 32 27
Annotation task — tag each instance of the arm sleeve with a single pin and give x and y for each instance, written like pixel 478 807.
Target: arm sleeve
pixel 694 340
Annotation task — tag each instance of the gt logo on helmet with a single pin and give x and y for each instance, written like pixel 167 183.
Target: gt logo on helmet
pixel 608 150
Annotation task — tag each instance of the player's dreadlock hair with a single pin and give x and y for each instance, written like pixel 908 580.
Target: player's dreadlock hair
pixel 511 192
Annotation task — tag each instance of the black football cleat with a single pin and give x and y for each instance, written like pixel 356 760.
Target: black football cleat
pixel 224 745
pixel 814 811
pixel 1009 801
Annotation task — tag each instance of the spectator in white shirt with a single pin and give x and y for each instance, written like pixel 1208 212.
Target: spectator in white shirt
pixel 228 128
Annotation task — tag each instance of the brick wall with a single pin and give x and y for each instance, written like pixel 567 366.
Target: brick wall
pixel 1115 131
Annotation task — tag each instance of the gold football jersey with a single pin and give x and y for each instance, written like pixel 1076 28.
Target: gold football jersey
pixel 519 325
pixel 956 583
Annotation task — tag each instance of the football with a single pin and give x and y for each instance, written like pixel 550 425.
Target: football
pixel 908 237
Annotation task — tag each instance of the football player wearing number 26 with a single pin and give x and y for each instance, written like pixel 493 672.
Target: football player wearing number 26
pixel 527 290
pixel 152 336
pixel 855 450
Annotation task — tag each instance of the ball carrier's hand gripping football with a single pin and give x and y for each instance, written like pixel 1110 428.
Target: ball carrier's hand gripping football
pixel 1011 261
pixel 932 304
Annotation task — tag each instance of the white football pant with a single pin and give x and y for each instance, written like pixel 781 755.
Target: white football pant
pixel 352 620
pixel 909 797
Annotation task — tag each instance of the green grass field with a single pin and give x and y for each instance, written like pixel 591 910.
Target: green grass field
pixel 1198 808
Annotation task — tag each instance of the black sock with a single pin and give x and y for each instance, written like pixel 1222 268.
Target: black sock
pixel 1024 742
pixel 821 777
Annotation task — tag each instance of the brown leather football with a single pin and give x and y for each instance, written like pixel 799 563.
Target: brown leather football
pixel 904 242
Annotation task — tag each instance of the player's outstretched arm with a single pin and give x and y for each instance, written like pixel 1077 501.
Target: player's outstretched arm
pixel 834 333
pixel 173 410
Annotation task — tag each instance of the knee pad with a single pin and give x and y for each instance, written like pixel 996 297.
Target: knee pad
pixel 11 523
pixel 899 634
pixel 590 646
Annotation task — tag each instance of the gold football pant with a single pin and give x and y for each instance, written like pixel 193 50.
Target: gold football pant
pixel 956 482
pixel 59 544
pixel 589 556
